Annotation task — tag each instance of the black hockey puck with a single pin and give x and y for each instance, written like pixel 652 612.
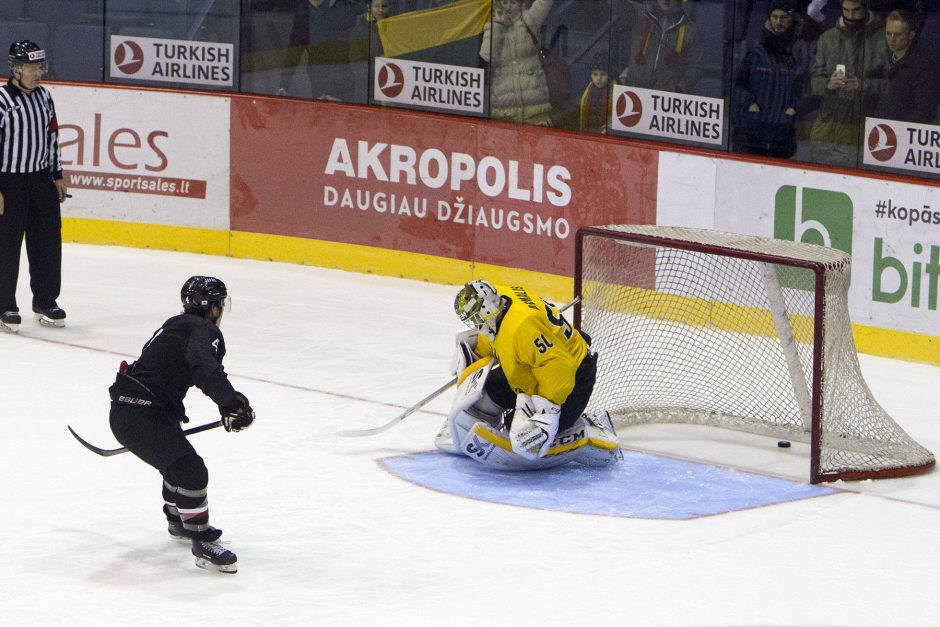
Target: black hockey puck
pixel 783 443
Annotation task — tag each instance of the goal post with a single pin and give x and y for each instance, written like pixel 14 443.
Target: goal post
pixel 735 331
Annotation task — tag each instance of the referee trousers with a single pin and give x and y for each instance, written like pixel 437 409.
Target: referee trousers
pixel 31 209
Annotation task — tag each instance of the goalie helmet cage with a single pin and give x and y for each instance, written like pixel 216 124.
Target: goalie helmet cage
pixel 735 331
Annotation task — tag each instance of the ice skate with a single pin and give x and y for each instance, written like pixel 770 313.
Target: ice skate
pixel 178 532
pixel 10 321
pixel 213 556
pixel 49 316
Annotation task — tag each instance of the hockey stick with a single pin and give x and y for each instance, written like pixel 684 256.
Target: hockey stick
pixel 394 421
pixel 117 451
pixel 354 433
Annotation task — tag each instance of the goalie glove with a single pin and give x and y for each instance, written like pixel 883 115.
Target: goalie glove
pixel 534 426
pixel 240 417
pixel 465 351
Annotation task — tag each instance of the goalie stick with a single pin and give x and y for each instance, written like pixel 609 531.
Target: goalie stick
pixel 104 452
pixel 357 433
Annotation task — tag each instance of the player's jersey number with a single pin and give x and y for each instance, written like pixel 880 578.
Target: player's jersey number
pixel 542 343
pixel 558 320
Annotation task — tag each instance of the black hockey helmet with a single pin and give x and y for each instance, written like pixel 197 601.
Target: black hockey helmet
pixel 199 293
pixel 26 51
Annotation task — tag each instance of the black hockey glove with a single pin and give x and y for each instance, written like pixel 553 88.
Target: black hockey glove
pixel 240 417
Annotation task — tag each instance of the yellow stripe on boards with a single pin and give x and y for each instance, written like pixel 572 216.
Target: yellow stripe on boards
pixel 897 344
pixel 137 235
pixel 370 260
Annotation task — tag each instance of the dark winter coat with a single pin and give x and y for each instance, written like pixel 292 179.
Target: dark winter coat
pixel 769 78
pixel 911 90
pixel 667 52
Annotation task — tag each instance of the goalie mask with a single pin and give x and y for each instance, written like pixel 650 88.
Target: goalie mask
pixel 478 306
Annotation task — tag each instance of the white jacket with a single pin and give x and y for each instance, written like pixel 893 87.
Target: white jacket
pixel 518 90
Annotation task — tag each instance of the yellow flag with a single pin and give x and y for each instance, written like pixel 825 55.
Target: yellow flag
pixel 431 28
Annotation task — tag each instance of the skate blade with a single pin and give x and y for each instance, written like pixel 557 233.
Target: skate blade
pixel 205 564
pixel 9 328
pixel 187 539
pixel 48 322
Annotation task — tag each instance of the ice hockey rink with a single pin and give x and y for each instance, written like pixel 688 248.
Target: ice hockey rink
pixel 693 528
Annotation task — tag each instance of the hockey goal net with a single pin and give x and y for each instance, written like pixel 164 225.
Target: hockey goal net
pixel 735 331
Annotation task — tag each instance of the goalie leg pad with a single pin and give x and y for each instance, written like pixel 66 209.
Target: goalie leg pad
pixel 471 404
pixel 602 446
pixel 461 421
pixel 443 441
pixel 491 447
pixel 587 442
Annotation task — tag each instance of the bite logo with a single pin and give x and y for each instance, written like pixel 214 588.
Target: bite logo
pixel 813 216
pixel 629 109
pixel 882 142
pixel 128 57
pixel 391 80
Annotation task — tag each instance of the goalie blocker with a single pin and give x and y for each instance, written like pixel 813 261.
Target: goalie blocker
pixel 474 427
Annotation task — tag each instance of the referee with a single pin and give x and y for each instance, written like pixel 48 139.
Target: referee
pixel 31 188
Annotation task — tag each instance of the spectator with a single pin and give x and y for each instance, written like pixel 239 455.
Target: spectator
pixel 364 42
pixel 850 62
pixel 364 46
pixel 321 33
pixel 667 52
pixel 595 101
pixel 518 89
pixel 31 189
pixel 766 89
pixel 911 88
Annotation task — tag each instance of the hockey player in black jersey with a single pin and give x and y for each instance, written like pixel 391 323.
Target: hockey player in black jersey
pixel 147 409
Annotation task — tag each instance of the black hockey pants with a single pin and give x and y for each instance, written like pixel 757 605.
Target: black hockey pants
pixel 158 440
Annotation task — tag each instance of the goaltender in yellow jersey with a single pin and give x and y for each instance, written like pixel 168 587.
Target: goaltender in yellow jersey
pixel 538 350
pixel 526 376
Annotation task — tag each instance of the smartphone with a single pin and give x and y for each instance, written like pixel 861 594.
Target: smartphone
pixel 840 71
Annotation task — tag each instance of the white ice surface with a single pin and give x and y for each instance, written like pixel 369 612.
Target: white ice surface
pixel 325 536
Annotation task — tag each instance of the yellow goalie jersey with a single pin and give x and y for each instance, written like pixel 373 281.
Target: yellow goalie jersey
pixel 537 349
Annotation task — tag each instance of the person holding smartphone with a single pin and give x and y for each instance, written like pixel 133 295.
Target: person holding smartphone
pixel 847 76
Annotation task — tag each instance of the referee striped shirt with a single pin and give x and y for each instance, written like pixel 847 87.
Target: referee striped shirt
pixel 29 132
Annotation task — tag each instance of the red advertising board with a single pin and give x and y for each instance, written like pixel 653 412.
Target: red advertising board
pixel 451 187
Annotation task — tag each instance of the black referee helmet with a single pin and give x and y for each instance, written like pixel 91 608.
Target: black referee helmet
pixel 26 51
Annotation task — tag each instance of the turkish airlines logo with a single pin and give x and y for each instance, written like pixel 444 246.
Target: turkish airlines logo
pixel 128 57
pixel 629 109
pixel 391 80
pixel 882 142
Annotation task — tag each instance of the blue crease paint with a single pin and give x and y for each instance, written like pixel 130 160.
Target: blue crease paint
pixel 640 486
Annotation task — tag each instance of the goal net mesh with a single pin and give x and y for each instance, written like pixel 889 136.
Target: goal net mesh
pixel 735 331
